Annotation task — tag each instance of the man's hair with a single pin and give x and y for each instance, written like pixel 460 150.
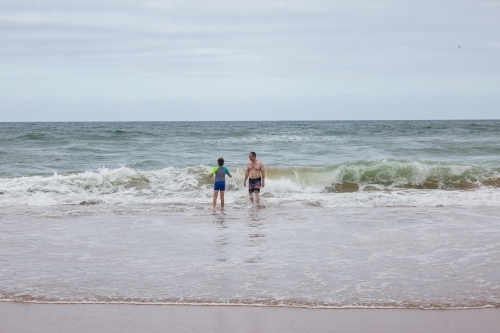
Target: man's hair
pixel 253 153
pixel 220 161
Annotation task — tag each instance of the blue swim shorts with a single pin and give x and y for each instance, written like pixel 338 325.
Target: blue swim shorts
pixel 220 186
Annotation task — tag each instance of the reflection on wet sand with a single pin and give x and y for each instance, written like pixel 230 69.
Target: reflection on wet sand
pixel 221 239
pixel 256 236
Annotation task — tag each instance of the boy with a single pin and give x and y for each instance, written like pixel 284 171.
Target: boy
pixel 220 173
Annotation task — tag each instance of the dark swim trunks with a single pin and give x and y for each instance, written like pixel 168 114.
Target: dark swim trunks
pixel 254 185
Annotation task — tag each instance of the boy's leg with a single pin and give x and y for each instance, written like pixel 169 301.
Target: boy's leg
pixel 222 200
pixel 214 202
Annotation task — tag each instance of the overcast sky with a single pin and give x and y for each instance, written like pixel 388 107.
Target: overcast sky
pixel 248 60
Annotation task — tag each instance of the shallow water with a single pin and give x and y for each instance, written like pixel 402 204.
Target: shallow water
pixel 354 214
pixel 315 257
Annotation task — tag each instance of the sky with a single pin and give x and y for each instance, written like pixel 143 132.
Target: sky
pixel 126 60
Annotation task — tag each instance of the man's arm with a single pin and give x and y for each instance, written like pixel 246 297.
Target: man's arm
pixel 263 174
pixel 247 172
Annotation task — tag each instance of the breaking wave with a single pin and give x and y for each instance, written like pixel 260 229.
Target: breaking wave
pixel 387 174
pixel 361 183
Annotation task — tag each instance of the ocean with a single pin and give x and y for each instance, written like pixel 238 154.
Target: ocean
pixel 371 214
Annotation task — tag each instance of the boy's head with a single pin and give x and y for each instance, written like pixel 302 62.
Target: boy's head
pixel 220 161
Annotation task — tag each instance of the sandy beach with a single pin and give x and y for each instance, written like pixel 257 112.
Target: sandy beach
pixel 29 317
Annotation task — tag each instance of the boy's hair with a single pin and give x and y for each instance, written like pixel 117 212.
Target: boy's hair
pixel 253 153
pixel 220 161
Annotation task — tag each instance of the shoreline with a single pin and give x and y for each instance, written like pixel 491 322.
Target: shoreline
pixel 256 305
pixel 39 317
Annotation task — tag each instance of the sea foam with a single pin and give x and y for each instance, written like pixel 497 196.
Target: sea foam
pixel 362 183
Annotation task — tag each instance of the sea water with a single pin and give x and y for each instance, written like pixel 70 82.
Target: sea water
pixel 353 214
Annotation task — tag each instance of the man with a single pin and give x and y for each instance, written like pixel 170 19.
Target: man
pixel 255 170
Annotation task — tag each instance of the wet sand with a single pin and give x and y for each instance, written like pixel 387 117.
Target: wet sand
pixel 30 317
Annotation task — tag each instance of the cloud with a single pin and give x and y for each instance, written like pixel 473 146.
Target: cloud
pixel 265 37
pixel 222 50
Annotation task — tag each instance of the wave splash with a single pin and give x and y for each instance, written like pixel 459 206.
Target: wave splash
pixel 191 185
pixel 112 186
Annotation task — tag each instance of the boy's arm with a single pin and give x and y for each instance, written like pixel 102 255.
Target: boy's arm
pixel 214 170
pixel 227 172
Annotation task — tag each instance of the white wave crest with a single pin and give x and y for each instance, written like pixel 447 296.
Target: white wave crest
pixel 373 184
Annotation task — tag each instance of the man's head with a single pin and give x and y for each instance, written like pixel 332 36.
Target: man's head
pixel 220 161
pixel 252 156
